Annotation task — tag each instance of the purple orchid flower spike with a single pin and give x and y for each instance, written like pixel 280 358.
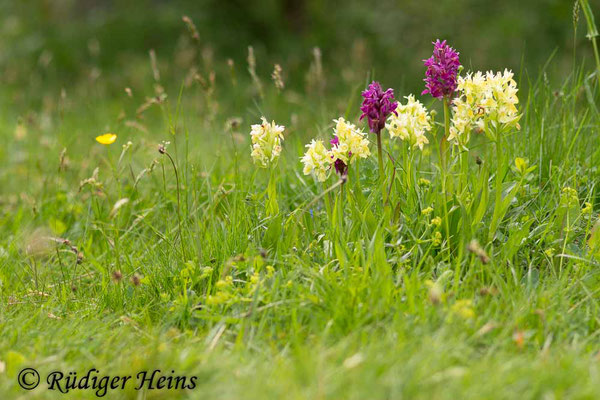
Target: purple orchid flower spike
pixel 341 168
pixel 442 71
pixel 377 106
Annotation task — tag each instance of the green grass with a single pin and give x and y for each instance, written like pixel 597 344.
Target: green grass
pixel 333 297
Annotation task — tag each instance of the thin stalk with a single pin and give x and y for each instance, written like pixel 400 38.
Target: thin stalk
pixel 272 204
pixel 443 150
pixel 444 142
pixel 592 33
pixel 380 157
pixel 464 166
pixel 597 56
pixel 341 213
pixel 178 203
pixel 498 194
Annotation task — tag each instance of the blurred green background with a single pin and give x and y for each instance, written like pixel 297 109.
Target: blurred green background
pixel 50 43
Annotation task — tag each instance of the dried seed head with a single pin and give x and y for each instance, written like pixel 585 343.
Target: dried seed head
pixel 233 124
pixel 315 79
pixel 277 77
pixel 475 248
pixel 488 291
pixel 252 71
pixel 191 27
pixel 136 280
pixel 435 294
pixel 63 160
pixel 117 276
pixel 154 65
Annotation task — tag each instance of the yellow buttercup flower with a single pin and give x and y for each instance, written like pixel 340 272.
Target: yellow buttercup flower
pixel 266 142
pixel 107 138
pixel 317 160
pixel 410 123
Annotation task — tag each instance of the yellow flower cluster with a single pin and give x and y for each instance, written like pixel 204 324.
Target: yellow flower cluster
pixel 569 197
pixel 486 102
pixel 317 160
pixel 266 142
pixel 350 143
pixel 410 123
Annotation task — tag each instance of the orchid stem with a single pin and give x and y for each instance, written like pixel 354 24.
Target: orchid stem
pixel 380 161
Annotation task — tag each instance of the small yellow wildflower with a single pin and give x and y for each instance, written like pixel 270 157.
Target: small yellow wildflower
pixel 569 196
pixel 218 298
pixel 410 122
pixel 206 272
pixel 317 160
pixel 221 284
pixel 463 308
pixel 521 164
pixel 437 238
pixel 228 281
pixel 424 182
pixel 266 142
pixel 587 208
pixel 436 221
pixel 427 211
pixel 107 138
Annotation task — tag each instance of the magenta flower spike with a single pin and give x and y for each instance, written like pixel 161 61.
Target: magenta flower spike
pixel 341 168
pixel 377 106
pixel 442 71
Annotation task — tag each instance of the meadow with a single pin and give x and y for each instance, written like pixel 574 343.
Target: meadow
pixel 441 246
